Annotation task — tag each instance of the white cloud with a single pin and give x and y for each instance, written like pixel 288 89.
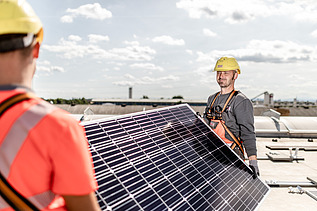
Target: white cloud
pixel 145 80
pixel 124 83
pixel 67 19
pixel 276 51
pixel 129 76
pixel 246 10
pixel 209 33
pixel 45 62
pixel 132 52
pixel 107 76
pixel 189 52
pixel 168 40
pixel 94 38
pixel 40 68
pixel 131 43
pixel 57 69
pixel 46 67
pixel 167 86
pixel 74 38
pixel 314 33
pixel 231 11
pixel 147 66
pixel 92 11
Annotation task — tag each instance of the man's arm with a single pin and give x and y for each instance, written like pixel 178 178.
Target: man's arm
pixel 252 157
pixel 245 120
pixel 82 203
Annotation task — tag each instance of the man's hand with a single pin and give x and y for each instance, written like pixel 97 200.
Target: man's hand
pixel 255 168
pixel 82 202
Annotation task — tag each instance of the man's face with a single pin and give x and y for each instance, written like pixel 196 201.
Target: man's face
pixel 226 78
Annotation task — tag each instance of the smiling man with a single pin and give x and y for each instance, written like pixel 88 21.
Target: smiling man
pixel 230 113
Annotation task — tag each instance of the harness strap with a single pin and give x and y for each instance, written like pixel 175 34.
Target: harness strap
pixel 7 192
pixel 228 100
pixel 236 142
pixel 213 101
pixel 11 101
pixel 13 198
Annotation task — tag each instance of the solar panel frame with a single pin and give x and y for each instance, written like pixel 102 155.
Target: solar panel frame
pixel 164 159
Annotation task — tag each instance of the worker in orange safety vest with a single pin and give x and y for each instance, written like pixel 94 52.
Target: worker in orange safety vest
pixel 45 163
pixel 230 113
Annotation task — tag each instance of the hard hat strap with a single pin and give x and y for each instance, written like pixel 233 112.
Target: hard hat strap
pixel 16 43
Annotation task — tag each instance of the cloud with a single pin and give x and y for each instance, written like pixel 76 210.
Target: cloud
pixel 314 33
pixel 57 69
pixel 209 33
pixel 132 52
pixel 91 11
pixel 94 38
pixel 231 11
pixel 46 67
pixel 189 52
pixel 147 66
pixel 129 76
pixel 246 10
pixel 259 51
pixel 168 40
pixel 67 19
pixel 145 80
pixel 74 38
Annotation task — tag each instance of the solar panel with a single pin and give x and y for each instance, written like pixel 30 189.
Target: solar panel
pixel 168 159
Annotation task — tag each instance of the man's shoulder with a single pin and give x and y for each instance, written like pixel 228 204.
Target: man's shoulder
pixel 56 115
pixel 240 96
pixel 210 97
pixel 241 99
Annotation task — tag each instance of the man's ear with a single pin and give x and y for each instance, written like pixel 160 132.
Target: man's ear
pixel 36 50
pixel 235 75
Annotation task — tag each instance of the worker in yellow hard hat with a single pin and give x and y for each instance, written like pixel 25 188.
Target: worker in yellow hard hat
pixel 227 64
pixel 44 159
pixel 230 113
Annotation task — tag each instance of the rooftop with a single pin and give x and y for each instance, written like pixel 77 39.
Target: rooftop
pixel 288 173
pixel 279 166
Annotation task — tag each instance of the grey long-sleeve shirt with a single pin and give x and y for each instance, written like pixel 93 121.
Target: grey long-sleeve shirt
pixel 238 118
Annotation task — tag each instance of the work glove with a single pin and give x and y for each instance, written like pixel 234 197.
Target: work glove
pixel 255 168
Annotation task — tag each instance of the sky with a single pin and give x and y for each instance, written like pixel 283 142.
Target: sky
pixel 98 49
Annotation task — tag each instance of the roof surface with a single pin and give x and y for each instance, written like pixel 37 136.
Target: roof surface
pixel 279 198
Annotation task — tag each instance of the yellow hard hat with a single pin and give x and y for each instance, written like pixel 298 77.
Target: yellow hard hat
pixel 18 17
pixel 227 64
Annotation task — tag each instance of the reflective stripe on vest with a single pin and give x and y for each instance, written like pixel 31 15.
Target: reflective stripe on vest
pixel 41 200
pixel 15 139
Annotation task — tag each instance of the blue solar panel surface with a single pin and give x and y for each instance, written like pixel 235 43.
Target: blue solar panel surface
pixel 168 159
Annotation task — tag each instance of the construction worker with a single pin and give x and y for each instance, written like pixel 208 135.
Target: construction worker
pixel 44 157
pixel 230 113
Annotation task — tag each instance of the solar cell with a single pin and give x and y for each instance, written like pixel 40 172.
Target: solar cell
pixel 168 159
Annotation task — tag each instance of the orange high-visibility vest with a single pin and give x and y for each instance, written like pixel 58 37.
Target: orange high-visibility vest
pixel 43 153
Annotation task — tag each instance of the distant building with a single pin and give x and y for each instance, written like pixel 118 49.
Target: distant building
pixel 147 102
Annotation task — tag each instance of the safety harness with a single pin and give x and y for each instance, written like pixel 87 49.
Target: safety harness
pixel 214 114
pixel 7 192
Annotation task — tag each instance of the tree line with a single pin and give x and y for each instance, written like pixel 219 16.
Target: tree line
pixel 73 101
pixel 76 101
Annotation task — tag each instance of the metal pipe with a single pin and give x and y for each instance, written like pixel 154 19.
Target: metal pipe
pixel 288 184
pixel 311 194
